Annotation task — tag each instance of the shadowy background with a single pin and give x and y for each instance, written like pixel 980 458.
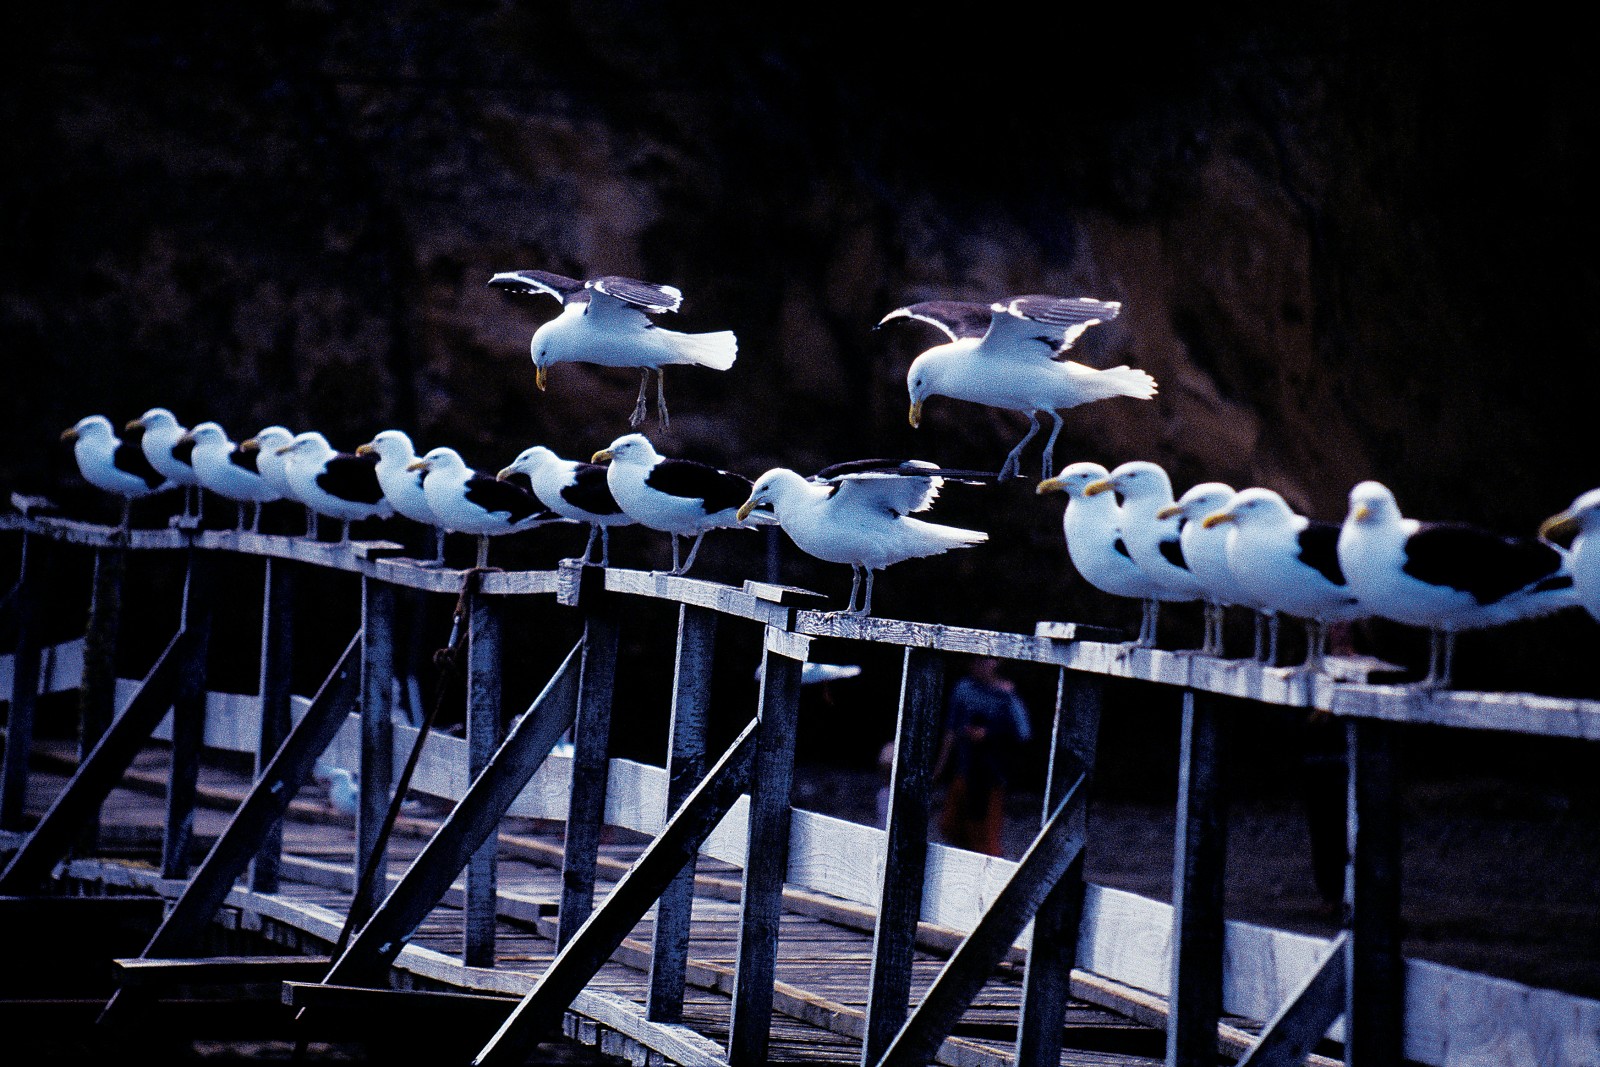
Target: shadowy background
pixel 1351 241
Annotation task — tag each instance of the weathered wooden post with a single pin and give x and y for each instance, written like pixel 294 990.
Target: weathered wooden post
pixel 483 737
pixel 377 740
pixel 32 588
pixel 277 660
pixel 97 698
pixel 767 847
pixel 1375 989
pixel 905 848
pixel 591 735
pixel 1199 858
pixel 1047 984
pixel 691 700
pixel 189 716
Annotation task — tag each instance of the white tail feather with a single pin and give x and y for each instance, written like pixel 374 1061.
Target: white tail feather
pixel 714 350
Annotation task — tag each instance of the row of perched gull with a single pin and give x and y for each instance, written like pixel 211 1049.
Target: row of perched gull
pixel 1212 545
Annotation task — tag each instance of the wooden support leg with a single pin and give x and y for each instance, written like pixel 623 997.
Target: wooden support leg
pixel 691 699
pixel 188 719
pixel 1199 857
pixel 32 588
pixel 483 737
pixel 766 860
pixel 377 739
pixel 1375 994
pixel 474 820
pixel 905 848
pixel 1048 981
pixel 97 699
pixel 1294 1031
pixel 277 650
pixel 591 737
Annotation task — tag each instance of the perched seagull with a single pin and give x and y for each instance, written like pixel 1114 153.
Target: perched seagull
pixel 111 464
pixel 607 321
pixel 1290 563
pixel 1206 553
pixel 402 483
pixel 1009 354
pixel 344 792
pixel 1581 523
pixel 573 489
pixel 1152 542
pixel 859 513
pixel 677 496
pixel 229 471
pixel 467 501
pixel 1445 576
pixel 270 464
pixel 1096 547
pixel 162 446
pixel 340 485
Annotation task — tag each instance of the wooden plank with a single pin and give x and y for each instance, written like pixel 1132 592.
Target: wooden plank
pixel 377 742
pixel 419 1008
pixel 32 591
pixel 275 716
pixel 591 738
pixel 1048 979
pixel 262 809
pixel 483 737
pixel 697 592
pixel 906 848
pixel 97 698
pixel 188 717
pixel 472 822
pixel 691 703
pixel 767 861
pixel 594 942
pixel 144 974
pixel 1290 1035
pixel 1199 859
pixel 972 965
pixel 1375 990
pixel 98 774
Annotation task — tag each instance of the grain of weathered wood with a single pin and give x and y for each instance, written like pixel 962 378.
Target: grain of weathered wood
pixel 591 737
pixel 691 699
pixel 1290 1035
pixel 483 736
pixel 97 697
pixel 1199 857
pixel 767 861
pixel 1375 986
pixel 187 736
pixel 276 716
pixel 905 847
pixel 377 739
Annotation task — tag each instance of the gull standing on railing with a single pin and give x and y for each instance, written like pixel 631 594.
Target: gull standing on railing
pixel 860 513
pixel 574 489
pixel 161 437
pixel 340 485
pixel 111 464
pixel 1206 553
pixel 472 502
pixel 402 483
pixel 1152 541
pixel 229 471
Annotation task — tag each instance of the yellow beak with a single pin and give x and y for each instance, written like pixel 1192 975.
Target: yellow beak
pixel 1363 513
pixel 1049 485
pixel 541 375
pixel 1096 488
pixel 1169 512
pixel 602 456
pixel 70 434
pixel 1562 525
pixel 251 445
pixel 916 413
pixel 133 424
pixel 365 450
pixel 745 509
pixel 417 465
pixel 285 450
pixel 186 439
pixel 1217 520
pixel 503 475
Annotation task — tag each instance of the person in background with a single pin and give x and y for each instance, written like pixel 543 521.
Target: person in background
pixel 986 725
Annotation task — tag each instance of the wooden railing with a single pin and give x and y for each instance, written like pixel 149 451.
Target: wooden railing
pixel 1181 964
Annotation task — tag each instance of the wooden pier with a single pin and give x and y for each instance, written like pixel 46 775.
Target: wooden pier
pixel 683 913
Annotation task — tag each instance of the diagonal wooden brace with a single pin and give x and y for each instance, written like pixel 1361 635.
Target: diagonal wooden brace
pixel 1291 1035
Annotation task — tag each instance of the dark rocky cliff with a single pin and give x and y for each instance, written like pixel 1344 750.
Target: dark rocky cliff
pixel 1350 241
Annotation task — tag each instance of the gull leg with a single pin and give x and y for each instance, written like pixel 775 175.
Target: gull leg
pixel 638 406
pixel 483 550
pixel 1272 640
pixel 866 602
pixel 238 511
pixel 1261 637
pixel 438 544
pixel 661 396
pixel 605 546
pixel 694 548
pixel 255 516
pixel 675 568
pixel 855 586
pixel 311 525
pixel 127 516
pixel 588 548
pixel 1013 464
pixel 1449 659
pixel 1050 445
pixel 344 531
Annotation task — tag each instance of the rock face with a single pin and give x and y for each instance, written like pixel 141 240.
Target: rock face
pixel 1350 243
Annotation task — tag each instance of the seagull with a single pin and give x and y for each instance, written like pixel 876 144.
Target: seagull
pixel 1096 547
pixel 1445 576
pixel 1152 542
pixel 576 490
pixel 113 465
pixel 1206 553
pixel 162 434
pixel 229 471
pixel 1009 354
pixel 1581 523
pixel 1290 563
pixel 269 463
pixel 402 484
pixel 344 792
pixel 677 496
pixel 471 502
pixel 859 513
pixel 340 485
pixel 607 321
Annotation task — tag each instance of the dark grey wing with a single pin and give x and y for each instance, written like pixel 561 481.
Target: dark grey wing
pixel 537 282
pixel 351 477
pixel 129 458
pixel 644 295
pixel 718 490
pixel 1477 561
pixel 1319 549
pixel 245 459
pixel 1064 319
pixel 503 498
pixel 957 318
pixel 590 491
